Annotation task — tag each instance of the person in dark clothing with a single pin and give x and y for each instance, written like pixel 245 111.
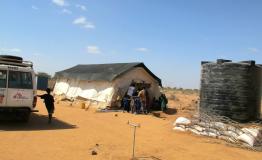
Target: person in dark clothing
pixel 137 104
pixel 163 102
pixel 126 103
pixel 155 104
pixel 49 103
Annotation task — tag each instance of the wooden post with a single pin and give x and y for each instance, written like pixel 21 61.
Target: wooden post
pixel 135 125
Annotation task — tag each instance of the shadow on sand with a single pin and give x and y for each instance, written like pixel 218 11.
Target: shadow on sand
pixel 161 114
pixel 171 111
pixel 36 122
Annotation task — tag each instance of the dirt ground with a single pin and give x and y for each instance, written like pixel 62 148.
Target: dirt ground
pixel 75 133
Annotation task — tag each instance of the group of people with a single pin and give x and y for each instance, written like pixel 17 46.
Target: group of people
pixel 137 101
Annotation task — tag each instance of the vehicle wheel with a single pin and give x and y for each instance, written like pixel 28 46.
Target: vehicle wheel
pixel 24 116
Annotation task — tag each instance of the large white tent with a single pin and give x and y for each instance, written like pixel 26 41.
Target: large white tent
pixel 104 83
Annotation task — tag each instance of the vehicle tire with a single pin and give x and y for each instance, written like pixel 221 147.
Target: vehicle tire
pixel 24 116
pixel 10 58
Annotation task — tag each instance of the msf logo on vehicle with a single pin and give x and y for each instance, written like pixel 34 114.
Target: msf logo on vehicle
pixel 19 95
pixel 2 96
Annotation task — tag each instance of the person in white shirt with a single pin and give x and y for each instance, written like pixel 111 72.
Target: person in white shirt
pixel 131 90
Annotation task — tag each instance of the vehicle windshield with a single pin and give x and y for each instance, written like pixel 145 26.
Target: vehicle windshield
pixel 20 80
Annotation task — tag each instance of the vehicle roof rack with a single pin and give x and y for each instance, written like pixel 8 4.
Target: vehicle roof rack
pixel 15 62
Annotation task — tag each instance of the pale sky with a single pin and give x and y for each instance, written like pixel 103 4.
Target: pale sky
pixel 171 37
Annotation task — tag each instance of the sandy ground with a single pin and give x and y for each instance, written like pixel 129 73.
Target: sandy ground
pixel 75 132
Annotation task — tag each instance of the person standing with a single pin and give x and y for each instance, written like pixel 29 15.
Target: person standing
pixel 49 103
pixel 132 105
pixel 163 102
pixel 131 90
pixel 137 104
pixel 147 103
pixel 126 103
pixel 142 96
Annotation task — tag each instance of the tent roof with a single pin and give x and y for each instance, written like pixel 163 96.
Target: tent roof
pixel 105 72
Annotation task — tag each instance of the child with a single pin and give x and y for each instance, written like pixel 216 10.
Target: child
pixel 49 103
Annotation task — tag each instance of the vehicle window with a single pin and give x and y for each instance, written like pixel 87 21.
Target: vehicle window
pixel 21 80
pixel 2 79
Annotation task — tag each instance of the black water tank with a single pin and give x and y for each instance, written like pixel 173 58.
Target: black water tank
pixel 231 89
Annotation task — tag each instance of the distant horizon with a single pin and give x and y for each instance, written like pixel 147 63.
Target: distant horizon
pixel 170 37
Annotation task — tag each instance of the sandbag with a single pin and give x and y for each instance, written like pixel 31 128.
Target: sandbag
pixel 230 134
pixel 182 120
pixel 194 131
pixel 239 132
pixel 198 128
pixel 182 126
pixel 204 124
pixel 204 133
pixel 211 134
pixel 247 138
pixel 212 130
pixel 223 137
pixel 219 125
pixel 235 130
pixel 255 132
pixel 179 129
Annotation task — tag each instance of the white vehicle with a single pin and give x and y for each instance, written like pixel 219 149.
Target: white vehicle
pixel 17 87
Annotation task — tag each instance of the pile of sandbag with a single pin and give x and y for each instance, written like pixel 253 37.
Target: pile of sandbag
pixel 246 136
pixel 251 136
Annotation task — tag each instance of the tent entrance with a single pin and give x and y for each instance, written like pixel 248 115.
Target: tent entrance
pixel 140 86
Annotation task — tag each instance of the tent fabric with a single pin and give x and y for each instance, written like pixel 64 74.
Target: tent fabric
pixel 106 92
pixel 97 91
pixel 101 72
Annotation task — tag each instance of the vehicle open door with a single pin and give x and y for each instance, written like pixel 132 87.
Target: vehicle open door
pixel 3 90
